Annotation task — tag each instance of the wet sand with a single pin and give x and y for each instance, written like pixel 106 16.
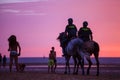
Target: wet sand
pixel 107 72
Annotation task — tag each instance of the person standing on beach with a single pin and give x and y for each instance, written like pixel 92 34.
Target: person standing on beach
pixel 4 61
pixel 0 60
pixel 14 52
pixel 52 56
pixel 51 62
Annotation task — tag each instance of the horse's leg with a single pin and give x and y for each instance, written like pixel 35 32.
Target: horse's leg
pixel 78 63
pixel 79 59
pixel 55 65
pixel 67 67
pixel 97 63
pixel 90 63
pixel 68 64
pixel 75 63
pixel 81 62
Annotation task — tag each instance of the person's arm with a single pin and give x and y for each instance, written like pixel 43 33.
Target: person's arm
pixel 91 37
pixel 19 49
pixel 79 32
pixel 76 30
pixel 9 48
pixel 55 54
pixel 49 55
pixel 66 30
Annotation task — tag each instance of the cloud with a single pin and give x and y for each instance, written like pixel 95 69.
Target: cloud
pixel 32 12
pixel 19 1
pixel 25 12
pixel 10 11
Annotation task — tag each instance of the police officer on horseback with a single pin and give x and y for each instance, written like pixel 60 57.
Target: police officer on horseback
pixel 71 31
pixel 85 33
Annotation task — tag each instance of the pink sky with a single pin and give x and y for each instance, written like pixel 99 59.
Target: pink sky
pixel 37 23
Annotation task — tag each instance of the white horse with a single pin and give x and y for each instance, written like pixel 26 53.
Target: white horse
pixel 78 50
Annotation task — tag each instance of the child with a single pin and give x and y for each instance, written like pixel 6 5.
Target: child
pixel 14 52
pixel 51 62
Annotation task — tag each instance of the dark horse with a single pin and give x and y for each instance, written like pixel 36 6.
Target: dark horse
pixel 78 50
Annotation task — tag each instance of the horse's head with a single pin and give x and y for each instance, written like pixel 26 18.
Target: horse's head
pixel 62 38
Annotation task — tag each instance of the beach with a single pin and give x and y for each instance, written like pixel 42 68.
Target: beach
pixel 107 72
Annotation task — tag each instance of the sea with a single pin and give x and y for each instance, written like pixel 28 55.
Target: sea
pixel 61 60
pixel 41 63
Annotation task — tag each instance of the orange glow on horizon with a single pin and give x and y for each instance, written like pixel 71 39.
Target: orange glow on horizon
pixel 37 24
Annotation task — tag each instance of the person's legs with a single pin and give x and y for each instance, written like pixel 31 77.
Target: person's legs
pixel 16 62
pixel 55 64
pixel 49 65
pixel 11 62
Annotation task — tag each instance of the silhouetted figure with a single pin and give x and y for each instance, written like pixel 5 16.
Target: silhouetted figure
pixel 52 60
pixel 21 67
pixel 0 60
pixel 4 61
pixel 15 51
pixel 85 33
pixel 71 31
pixel 83 51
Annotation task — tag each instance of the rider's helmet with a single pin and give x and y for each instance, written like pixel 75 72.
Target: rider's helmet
pixel 70 20
pixel 85 23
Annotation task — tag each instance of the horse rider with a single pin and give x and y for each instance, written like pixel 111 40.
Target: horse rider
pixel 85 34
pixel 71 31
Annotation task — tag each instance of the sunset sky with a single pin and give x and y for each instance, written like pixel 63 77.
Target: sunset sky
pixel 37 24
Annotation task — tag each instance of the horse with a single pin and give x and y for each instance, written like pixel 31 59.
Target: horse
pixel 71 48
pixel 89 48
pixel 78 50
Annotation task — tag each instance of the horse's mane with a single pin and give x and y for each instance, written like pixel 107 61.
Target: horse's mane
pixel 62 34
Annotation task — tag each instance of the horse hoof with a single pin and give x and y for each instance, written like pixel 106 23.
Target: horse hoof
pixel 83 73
pixel 97 74
pixel 65 72
pixel 87 73
pixel 75 73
